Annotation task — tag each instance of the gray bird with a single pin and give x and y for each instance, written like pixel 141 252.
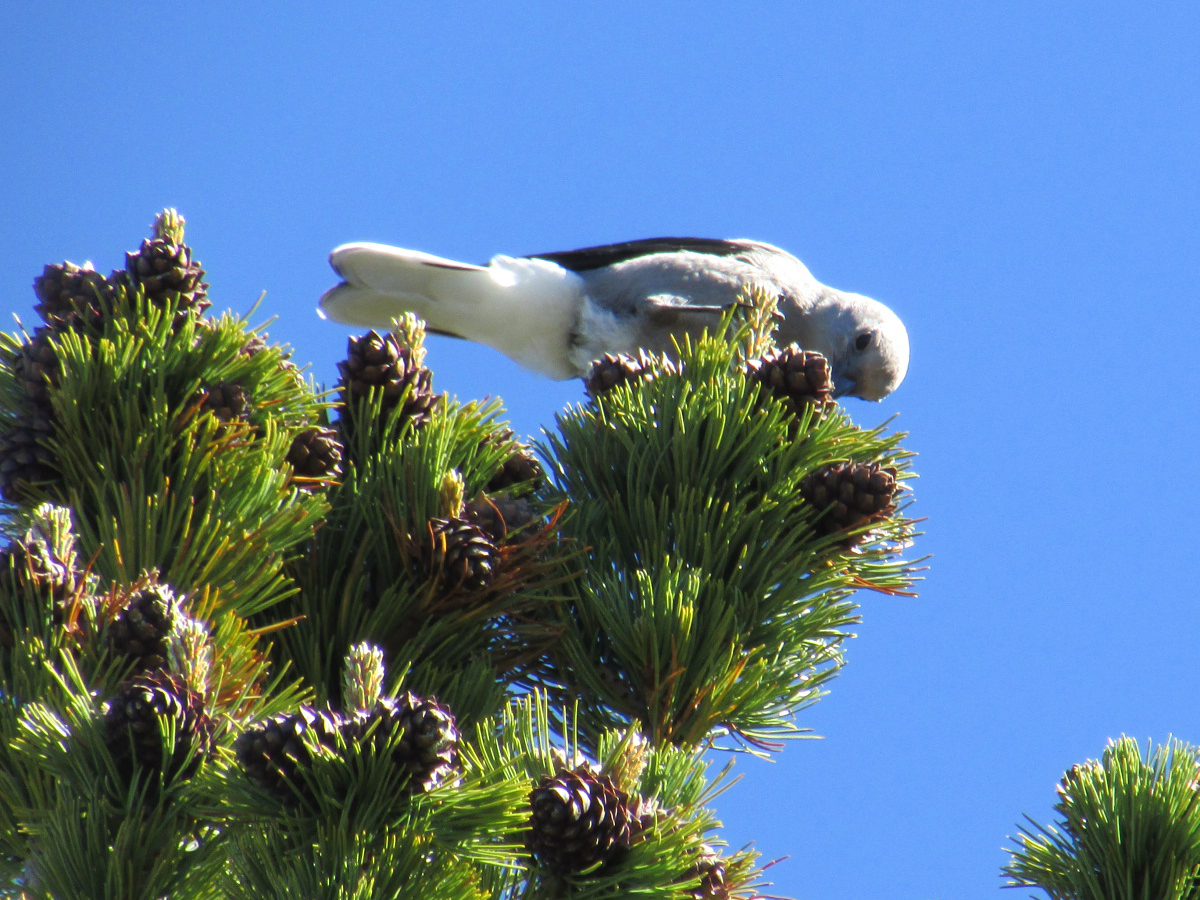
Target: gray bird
pixel 556 312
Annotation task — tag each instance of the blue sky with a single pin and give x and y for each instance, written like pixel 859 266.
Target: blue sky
pixel 1018 181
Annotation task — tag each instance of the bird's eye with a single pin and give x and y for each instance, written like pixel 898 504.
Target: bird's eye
pixel 863 341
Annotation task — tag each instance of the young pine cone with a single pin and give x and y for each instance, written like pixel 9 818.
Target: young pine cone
pixel 31 574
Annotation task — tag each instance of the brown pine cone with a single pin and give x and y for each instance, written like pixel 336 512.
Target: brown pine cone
pixel 463 553
pixel 26 460
pixel 422 736
pixel 848 496
pixel 163 267
pixel 579 818
pixel 801 378
pixel 38 367
pixel 521 468
pixel 71 296
pixel 134 734
pixel 227 401
pixel 377 362
pixel 610 370
pixel 142 628
pixel 499 516
pixel 275 755
pixel 316 453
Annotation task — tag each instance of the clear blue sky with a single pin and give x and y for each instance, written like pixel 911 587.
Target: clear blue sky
pixel 1018 180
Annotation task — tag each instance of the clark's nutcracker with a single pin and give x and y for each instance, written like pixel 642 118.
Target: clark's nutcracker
pixel 556 312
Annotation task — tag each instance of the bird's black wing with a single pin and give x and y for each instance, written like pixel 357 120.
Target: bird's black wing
pixel 588 258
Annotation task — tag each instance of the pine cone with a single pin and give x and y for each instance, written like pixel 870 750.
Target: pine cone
pixel 71 296
pixel 610 370
pixel 579 819
pixel 521 468
pixel 133 726
pixel 25 456
pixel 1076 782
pixel 163 267
pixel 422 736
pixel 710 877
pixel 26 459
pixel 274 753
pixel 256 344
pixel 227 401
pixel 316 453
pixel 463 554
pixel 374 361
pixel 141 629
pixel 849 495
pixel 39 368
pixel 799 377
pixel 29 567
pixel 497 517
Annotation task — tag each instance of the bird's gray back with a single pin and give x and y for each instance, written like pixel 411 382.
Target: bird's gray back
pixel 648 294
pixel 695 272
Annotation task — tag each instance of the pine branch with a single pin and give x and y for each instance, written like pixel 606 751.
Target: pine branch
pixel 1129 828
pixel 179 720
pixel 716 592
pixel 405 562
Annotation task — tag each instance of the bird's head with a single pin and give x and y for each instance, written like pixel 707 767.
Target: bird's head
pixel 865 342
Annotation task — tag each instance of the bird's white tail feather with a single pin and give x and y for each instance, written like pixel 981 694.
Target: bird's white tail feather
pixel 525 308
pixel 363 307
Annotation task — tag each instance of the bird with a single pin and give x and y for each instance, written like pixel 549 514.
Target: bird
pixel 556 313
